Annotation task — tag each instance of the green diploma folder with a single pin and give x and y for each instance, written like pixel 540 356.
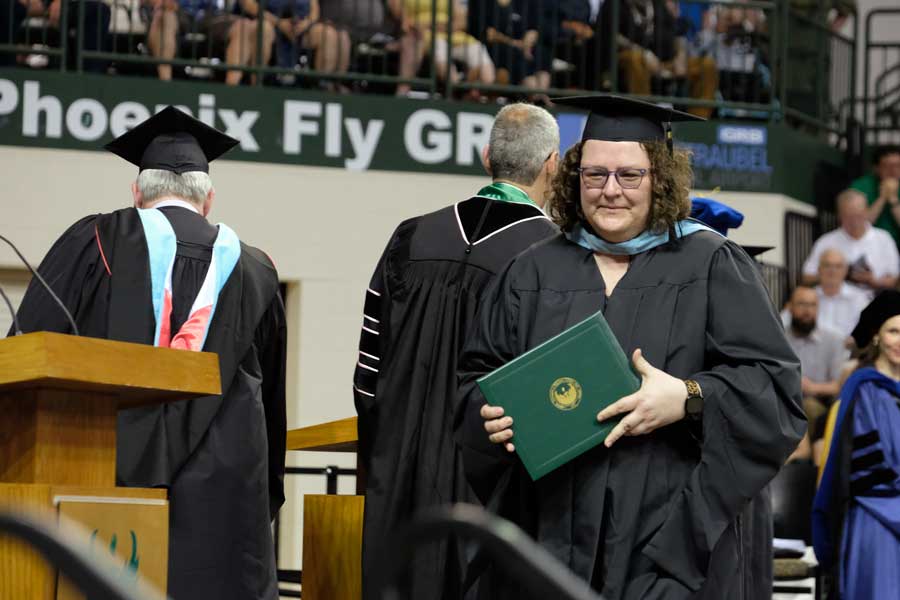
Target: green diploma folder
pixel 554 391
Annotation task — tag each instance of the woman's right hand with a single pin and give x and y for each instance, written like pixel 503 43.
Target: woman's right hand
pixel 498 426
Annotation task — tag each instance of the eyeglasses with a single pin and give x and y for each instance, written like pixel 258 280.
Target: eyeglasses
pixel 629 178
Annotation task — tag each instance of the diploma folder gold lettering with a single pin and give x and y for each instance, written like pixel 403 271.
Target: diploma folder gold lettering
pixel 554 391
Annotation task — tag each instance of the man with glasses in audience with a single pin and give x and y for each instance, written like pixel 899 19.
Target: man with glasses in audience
pixel 840 302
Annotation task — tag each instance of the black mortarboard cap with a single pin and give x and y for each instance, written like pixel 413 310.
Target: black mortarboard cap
pixel 883 307
pixel 172 140
pixel 618 119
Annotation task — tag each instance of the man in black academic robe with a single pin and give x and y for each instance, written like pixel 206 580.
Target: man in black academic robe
pixel 221 457
pixel 419 305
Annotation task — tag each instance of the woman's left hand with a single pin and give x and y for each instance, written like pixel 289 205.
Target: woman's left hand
pixel 659 402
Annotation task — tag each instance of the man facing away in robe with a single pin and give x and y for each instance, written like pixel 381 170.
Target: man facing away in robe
pixel 420 303
pixel 159 273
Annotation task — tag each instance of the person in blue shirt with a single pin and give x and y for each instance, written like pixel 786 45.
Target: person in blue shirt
pixel 292 25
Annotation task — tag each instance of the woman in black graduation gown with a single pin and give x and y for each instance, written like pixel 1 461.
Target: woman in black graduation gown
pixel 674 505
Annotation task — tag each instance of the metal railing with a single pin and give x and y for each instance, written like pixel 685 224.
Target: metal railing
pixel 777 284
pixel 753 58
pixel 818 71
pixel 532 567
pixel 881 77
pixel 800 232
pixel 714 57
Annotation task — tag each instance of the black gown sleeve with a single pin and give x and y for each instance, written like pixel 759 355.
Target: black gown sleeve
pixel 271 339
pixel 373 345
pixel 68 268
pixel 752 417
pixel 491 344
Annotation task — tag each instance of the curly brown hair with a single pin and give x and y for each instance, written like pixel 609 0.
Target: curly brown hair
pixel 670 178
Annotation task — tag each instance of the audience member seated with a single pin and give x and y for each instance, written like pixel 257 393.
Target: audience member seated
pixel 127 24
pixel 173 17
pixel 363 20
pixel 292 25
pixel 871 252
pixel 415 17
pixel 509 30
pixel 95 33
pixel 880 188
pixel 731 37
pixel 162 38
pixel 648 47
pixel 833 13
pixel 571 33
pixel 330 44
pixel 839 302
pixel 822 352
pixel 699 71
pixel 840 13
pixel 242 43
pixel 14 13
pixel 645 39
pixel 692 20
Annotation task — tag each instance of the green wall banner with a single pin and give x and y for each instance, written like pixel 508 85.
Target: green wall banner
pixel 294 126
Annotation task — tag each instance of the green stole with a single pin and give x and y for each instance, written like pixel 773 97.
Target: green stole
pixel 505 192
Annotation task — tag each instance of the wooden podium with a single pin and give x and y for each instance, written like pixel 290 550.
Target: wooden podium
pixel 332 525
pixel 58 398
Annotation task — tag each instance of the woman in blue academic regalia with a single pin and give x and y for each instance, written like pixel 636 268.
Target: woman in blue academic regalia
pixel 856 516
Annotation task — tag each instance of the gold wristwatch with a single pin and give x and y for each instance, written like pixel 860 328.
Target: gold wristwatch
pixel 693 405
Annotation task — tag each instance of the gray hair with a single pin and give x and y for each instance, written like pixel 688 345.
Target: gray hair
pixel 193 186
pixel 847 196
pixel 522 139
pixel 832 251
